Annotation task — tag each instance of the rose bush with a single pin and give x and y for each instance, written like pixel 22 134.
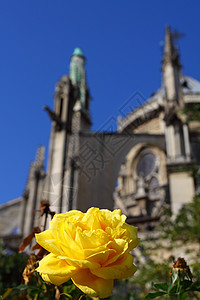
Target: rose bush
pixel 91 248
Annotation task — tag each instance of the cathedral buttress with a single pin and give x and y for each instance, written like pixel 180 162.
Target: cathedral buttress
pixel 171 68
pixel 177 135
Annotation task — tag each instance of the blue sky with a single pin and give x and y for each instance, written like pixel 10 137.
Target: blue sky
pixel 122 41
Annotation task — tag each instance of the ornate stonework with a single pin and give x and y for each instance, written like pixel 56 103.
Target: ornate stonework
pixel 138 169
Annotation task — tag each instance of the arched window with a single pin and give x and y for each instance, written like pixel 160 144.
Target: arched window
pixel 147 170
pixel 146 164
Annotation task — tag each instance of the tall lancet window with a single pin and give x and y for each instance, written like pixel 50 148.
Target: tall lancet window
pixel 147 168
pixel 60 107
pixel 178 139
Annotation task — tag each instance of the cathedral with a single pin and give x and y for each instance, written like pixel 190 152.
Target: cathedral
pixel 147 163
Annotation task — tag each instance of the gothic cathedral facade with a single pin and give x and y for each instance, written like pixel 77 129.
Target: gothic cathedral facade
pixel 143 166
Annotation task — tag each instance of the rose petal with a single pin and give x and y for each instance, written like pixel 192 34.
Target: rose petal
pixel 47 241
pixel 52 265
pixel 111 219
pixel 57 280
pixel 91 239
pixel 122 268
pixel 60 243
pixel 131 234
pixel 78 263
pixel 101 256
pixel 91 219
pixel 120 246
pixel 92 285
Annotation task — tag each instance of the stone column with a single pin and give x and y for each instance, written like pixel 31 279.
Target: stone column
pixel 186 141
pixel 168 142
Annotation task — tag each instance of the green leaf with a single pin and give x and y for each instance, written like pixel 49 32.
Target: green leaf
pixel 33 293
pixel 161 286
pixel 77 295
pixel 67 289
pixel 172 289
pixel 155 295
pixel 184 296
pixel 185 284
pixel 67 295
pixel 194 287
pixel 22 287
pixel 196 284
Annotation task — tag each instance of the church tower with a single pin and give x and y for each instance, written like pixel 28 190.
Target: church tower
pixel 171 72
pixel 177 136
pixel 176 128
pixel 69 117
pixel 81 94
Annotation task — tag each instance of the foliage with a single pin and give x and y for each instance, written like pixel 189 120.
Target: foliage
pixel 141 284
pixel 38 289
pixel 152 280
pixel 187 223
pixel 11 268
pixel 192 112
pixel 172 232
pixel 180 285
pixel 185 227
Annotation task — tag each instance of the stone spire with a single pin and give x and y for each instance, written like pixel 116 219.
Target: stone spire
pixel 170 50
pixel 171 69
pixel 77 76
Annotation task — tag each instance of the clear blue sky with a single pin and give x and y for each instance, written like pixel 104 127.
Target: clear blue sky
pixel 122 43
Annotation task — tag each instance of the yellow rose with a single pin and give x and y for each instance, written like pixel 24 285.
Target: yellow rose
pixel 91 248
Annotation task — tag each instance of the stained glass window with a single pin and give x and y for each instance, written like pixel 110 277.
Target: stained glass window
pixel 146 164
